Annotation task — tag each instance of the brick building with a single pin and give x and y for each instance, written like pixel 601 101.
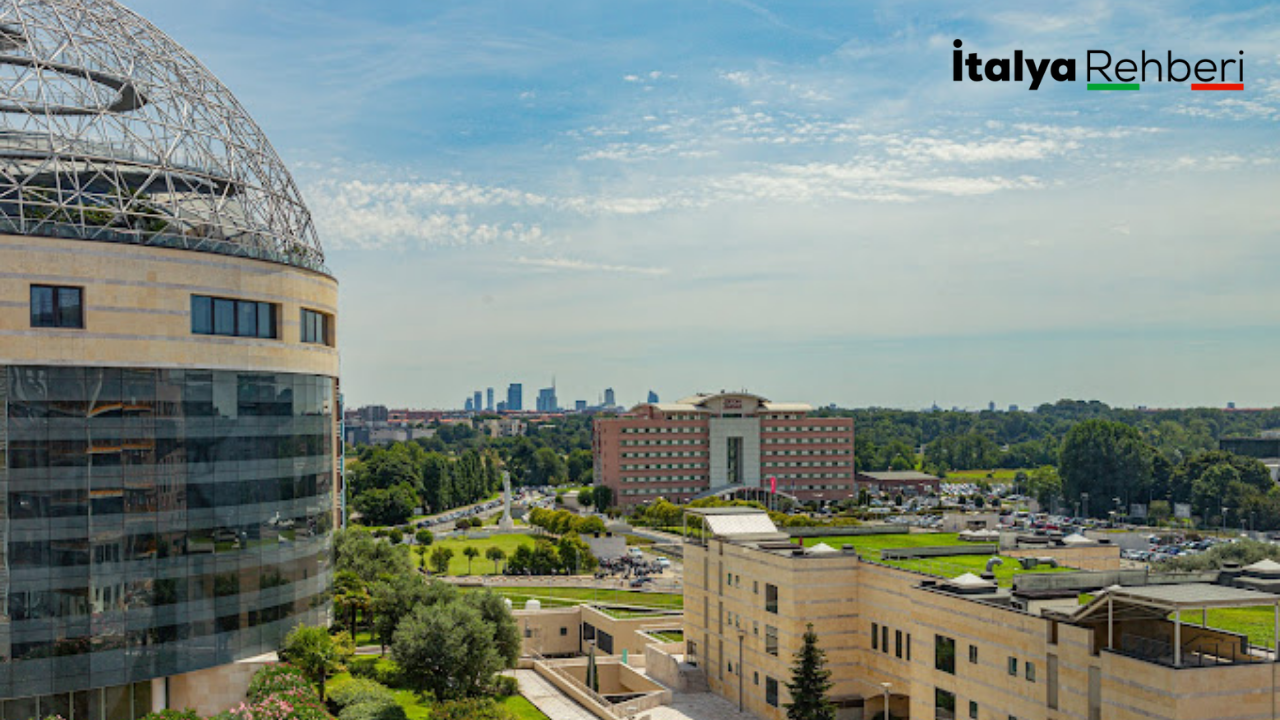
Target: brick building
pixel 711 443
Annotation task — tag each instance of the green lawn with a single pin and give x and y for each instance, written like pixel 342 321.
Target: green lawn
pixel 481 565
pixel 672 636
pixel 637 540
pixel 1003 475
pixel 560 596
pixel 951 566
pixel 416 709
pixel 522 709
pixel 870 547
pixel 412 703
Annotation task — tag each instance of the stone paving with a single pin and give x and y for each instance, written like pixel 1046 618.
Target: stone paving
pixel 684 706
pixel 548 698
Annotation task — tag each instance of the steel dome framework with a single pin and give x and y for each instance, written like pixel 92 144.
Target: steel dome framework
pixel 111 131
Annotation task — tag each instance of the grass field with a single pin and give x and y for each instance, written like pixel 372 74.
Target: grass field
pixel 415 709
pixel 560 597
pixel 1002 475
pixel 870 547
pixel 481 565
pixel 522 709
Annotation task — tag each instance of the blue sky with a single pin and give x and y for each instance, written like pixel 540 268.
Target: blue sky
pixel 791 197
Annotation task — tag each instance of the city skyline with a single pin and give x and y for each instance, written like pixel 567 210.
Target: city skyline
pixel 787 196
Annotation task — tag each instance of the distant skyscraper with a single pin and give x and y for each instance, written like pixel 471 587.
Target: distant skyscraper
pixel 488 396
pixel 991 406
pixel 470 405
pixel 502 406
pixel 515 397
pixel 608 397
pixel 580 405
pixel 547 400
pixel 653 397
pixel 477 403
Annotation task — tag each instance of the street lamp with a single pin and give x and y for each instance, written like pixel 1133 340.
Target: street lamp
pixel 886 686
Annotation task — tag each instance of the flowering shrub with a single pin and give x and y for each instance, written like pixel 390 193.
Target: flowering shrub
pixel 187 714
pixel 277 679
pixel 280 692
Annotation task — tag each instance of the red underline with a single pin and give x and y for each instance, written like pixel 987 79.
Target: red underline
pixel 1217 86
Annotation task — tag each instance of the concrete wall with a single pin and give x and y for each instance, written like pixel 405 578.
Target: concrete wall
pixel 217 689
pixel 844 598
pixel 138 307
pixel 1080 557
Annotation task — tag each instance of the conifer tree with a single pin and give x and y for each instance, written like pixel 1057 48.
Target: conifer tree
pixel 810 682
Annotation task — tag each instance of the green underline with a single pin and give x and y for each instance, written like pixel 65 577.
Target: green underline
pixel 1114 86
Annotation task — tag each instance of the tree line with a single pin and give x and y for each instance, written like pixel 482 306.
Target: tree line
pixel 386 484
pixel 890 439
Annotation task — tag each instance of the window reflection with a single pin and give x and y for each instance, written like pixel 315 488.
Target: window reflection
pixel 129 492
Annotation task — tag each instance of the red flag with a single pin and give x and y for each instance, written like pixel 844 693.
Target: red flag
pixel 773 484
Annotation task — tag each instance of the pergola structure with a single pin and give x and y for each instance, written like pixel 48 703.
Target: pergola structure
pixel 1156 602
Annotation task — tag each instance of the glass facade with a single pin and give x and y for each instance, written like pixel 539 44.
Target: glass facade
pixel 156 522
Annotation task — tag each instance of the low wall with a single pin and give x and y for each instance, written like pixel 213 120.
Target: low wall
pixel 216 689
pixel 916 552
pixel 887 529
pixel 1080 557
pixel 1086 580
pixel 663 665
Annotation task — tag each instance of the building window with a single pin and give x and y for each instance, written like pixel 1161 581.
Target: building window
pixel 315 327
pixel 897 643
pixel 232 318
pixel 771 640
pixel 944 703
pixel 564 632
pixel 973 654
pixel 771 598
pixel 771 691
pixel 875 636
pixel 1031 672
pixel 973 710
pixel 884 638
pixel 944 654
pixel 57 307
pixel 755 677
pixel 1013 666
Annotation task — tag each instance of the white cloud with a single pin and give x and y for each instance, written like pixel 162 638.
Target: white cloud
pixel 570 265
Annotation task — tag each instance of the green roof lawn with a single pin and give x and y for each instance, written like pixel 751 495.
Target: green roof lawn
pixel 948 566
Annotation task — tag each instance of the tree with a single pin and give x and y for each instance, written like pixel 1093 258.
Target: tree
pixel 350 597
pixel 472 553
pixel 393 599
pixel 316 653
pixel 440 558
pixel 1044 485
pixel 358 551
pixel 497 555
pixel 393 506
pixel 579 465
pixel 548 468
pixel 1108 460
pixel 603 497
pixel 810 682
pixel 424 537
pixel 447 650
pixel 494 611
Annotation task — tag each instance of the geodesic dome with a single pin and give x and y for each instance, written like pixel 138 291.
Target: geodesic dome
pixel 111 131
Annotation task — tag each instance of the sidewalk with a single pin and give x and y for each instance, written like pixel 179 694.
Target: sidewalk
pixel 548 698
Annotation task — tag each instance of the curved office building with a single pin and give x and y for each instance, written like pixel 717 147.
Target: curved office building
pixel 167 373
